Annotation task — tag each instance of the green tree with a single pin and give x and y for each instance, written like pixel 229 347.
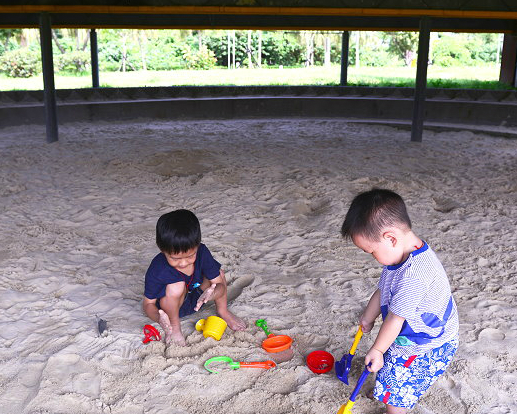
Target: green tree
pixel 402 44
pixel 483 47
pixel 449 49
pixel 281 48
pixel 8 39
pixel 203 58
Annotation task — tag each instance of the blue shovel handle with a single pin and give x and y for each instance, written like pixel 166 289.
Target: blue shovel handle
pixel 360 383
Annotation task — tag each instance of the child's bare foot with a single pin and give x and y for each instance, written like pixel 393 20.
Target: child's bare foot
pixel 178 338
pixel 234 322
pixel 170 334
pixel 165 323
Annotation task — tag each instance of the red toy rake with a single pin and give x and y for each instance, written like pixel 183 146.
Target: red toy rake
pixel 151 334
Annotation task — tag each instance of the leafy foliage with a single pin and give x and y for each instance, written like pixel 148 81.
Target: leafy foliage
pixel 483 47
pixel 8 39
pixel 199 59
pixel 450 49
pixel 20 63
pixel 161 50
pixel 282 49
pixel 164 54
pixel 402 44
pixel 72 62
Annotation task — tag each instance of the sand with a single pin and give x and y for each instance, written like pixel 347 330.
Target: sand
pixel 77 235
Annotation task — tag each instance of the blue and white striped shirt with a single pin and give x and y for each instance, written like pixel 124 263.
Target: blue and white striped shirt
pixel 418 290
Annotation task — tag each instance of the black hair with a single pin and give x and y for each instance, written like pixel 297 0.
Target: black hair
pixel 373 211
pixel 178 232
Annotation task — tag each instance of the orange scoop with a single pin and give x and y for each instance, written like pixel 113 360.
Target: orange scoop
pixel 274 343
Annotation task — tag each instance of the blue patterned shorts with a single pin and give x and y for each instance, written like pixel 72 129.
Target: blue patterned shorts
pixel 402 381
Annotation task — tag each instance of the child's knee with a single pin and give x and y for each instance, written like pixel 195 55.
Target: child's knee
pixel 221 283
pixel 390 409
pixel 171 302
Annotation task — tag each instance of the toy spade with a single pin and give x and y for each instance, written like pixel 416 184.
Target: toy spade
pixel 273 343
pixel 343 366
pixel 347 408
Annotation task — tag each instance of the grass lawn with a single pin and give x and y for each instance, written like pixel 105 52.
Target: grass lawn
pixel 462 77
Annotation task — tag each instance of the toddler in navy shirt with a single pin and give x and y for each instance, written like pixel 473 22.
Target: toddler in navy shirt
pixel 183 277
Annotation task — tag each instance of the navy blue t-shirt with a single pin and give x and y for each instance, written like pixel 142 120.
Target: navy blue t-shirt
pixel 161 273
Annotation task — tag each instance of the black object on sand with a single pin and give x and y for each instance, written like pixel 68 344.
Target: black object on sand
pixel 102 326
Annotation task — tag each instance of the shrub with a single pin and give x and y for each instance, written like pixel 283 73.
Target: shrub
pixel 219 44
pixel 164 56
pixel 282 49
pixel 21 63
pixel 110 52
pixel 72 62
pixel 483 48
pixel 376 58
pixel 449 50
pixel 199 59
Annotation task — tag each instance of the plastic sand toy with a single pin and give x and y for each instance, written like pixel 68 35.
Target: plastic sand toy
pixel 213 327
pixel 236 365
pixel 343 366
pixel 347 408
pixel 320 362
pixel 273 343
pixel 151 334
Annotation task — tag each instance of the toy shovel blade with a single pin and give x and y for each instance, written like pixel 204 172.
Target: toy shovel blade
pixel 342 367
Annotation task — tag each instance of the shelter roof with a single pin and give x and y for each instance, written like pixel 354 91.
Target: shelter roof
pixel 451 5
pixel 446 15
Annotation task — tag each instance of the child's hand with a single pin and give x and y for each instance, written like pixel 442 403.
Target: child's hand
pixel 376 358
pixel 205 296
pixel 366 326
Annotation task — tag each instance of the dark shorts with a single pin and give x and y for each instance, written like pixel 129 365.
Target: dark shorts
pixel 189 303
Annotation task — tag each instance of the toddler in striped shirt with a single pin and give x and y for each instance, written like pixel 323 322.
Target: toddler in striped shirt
pixel 419 333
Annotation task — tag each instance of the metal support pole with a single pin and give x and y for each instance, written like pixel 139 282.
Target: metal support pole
pixel 421 80
pixel 94 58
pixel 45 31
pixel 345 40
pixel 508 60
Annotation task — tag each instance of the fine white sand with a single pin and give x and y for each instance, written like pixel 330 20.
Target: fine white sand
pixel 77 235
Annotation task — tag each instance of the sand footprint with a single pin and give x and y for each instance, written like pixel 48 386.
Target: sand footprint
pixel 310 342
pixel 444 205
pixel 236 287
pixel 491 334
pixel 70 373
pixel 13 397
pixel 450 391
